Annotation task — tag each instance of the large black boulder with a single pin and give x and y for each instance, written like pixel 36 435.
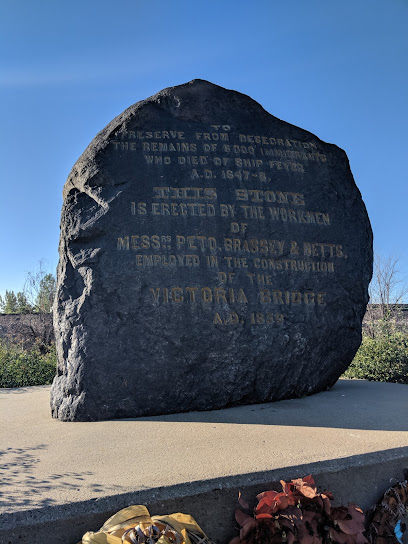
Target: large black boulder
pixel 210 255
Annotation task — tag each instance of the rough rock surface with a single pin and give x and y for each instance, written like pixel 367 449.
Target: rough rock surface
pixel 210 255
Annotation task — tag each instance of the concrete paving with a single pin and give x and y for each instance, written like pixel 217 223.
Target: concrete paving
pixel 50 466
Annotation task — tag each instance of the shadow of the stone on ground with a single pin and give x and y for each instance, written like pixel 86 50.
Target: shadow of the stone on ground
pixel 349 405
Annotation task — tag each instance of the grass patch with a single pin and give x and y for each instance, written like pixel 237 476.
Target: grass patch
pixel 383 358
pixel 21 368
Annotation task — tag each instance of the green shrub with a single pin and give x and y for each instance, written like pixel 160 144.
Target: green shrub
pixel 20 368
pixel 383 358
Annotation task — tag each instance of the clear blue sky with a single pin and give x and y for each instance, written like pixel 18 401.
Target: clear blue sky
pixel 337 69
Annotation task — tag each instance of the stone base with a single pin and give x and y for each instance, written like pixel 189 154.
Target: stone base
pixel 63 479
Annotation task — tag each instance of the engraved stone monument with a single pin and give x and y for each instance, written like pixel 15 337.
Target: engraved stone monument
pixel 210 255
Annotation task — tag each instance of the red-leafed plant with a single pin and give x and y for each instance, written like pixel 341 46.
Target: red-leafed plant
pixel 299 514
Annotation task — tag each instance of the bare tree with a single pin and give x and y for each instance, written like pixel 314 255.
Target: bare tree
pixel 39 289
pixel 387 291
pixel 388 288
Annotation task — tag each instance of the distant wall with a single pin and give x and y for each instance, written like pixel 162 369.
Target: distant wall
pixel 25 329
pixel 399 316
